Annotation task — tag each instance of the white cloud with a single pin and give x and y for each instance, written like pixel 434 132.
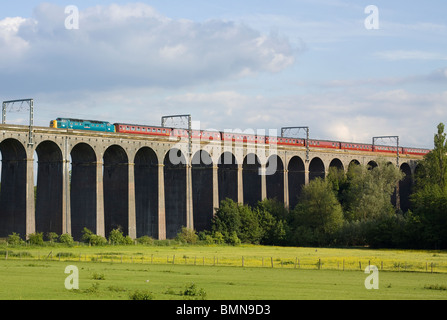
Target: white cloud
pixel 11 44
pixel 131 45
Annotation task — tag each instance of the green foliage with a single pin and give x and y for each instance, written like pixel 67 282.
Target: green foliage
pixel 367 191
pixel 187 235
pixel 430 197
pixel 430 206
pixel 272 220
pixel 227 218
pixel 218 237
pixel 15 239
pixel 36 238
pixel 249 230
pixel 145 240
pixel 66 239
pixel 141 295
pixel 235 218
pixel 52 236
pixel 317 216
pixel 94 240
pixel 233 239
pixel 432 170
pixel 116 237
pixel 192 292
pixel 98 276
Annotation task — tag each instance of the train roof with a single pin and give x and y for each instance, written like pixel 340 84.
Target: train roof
pixel 82 120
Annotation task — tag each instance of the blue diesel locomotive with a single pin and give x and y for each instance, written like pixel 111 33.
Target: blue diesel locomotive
pixel 77 124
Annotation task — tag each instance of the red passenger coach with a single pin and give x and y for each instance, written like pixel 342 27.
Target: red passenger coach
pixel 285 141
pixel 197 134
pixel 387 149
pixel 356 146
pixel 210 135
pixel 139 129
pixel 416 151
pixel 324 144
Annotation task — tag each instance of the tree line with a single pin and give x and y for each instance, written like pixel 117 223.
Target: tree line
pixel 349 209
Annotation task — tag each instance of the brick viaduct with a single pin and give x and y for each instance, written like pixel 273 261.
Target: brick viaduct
pixel 144 184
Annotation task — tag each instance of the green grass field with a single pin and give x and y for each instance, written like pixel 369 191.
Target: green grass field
pixel 116 272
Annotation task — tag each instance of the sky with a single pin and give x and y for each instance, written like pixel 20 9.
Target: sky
pixel 346 70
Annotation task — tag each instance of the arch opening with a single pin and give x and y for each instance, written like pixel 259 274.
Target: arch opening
pixel 146 193
pixel 13 188
pixel 83 189
pixel 49 188
pixel 175 191
pixel 251 180
pixel 202 190
pixel 296 178
pixel 275 180
pixel 316 169
pixel 336 163
pixel 227 177
pixel 116 190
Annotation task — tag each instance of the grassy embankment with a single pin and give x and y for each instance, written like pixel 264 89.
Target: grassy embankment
pixel 111 272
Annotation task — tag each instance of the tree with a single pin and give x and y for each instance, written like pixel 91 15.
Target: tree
pixel 339 182
pixel 431 207
pixel 432 170
pixel 227 218
pixel 317 216
pixel 233 217
pixel 430 197
pixel 249 230
pixel 272 220
pixel 369 191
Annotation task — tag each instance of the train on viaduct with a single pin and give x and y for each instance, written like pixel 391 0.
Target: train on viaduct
pixel 61 180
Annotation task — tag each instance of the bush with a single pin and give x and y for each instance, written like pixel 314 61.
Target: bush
pixel 116 237
pixel 145 240
pixel 141 295
pixel 218 237
pixel 234 217
pixel 98 276
pixel 208 239
pixel 187 236
pixel 96 240
pixel 233 239
pixel 92 239
pixel 14 239
pixel 36 238
pixel 191 291
pixel 52 236
pixel 66 239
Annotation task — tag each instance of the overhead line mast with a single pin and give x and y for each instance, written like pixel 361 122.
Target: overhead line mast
pixel 31 115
